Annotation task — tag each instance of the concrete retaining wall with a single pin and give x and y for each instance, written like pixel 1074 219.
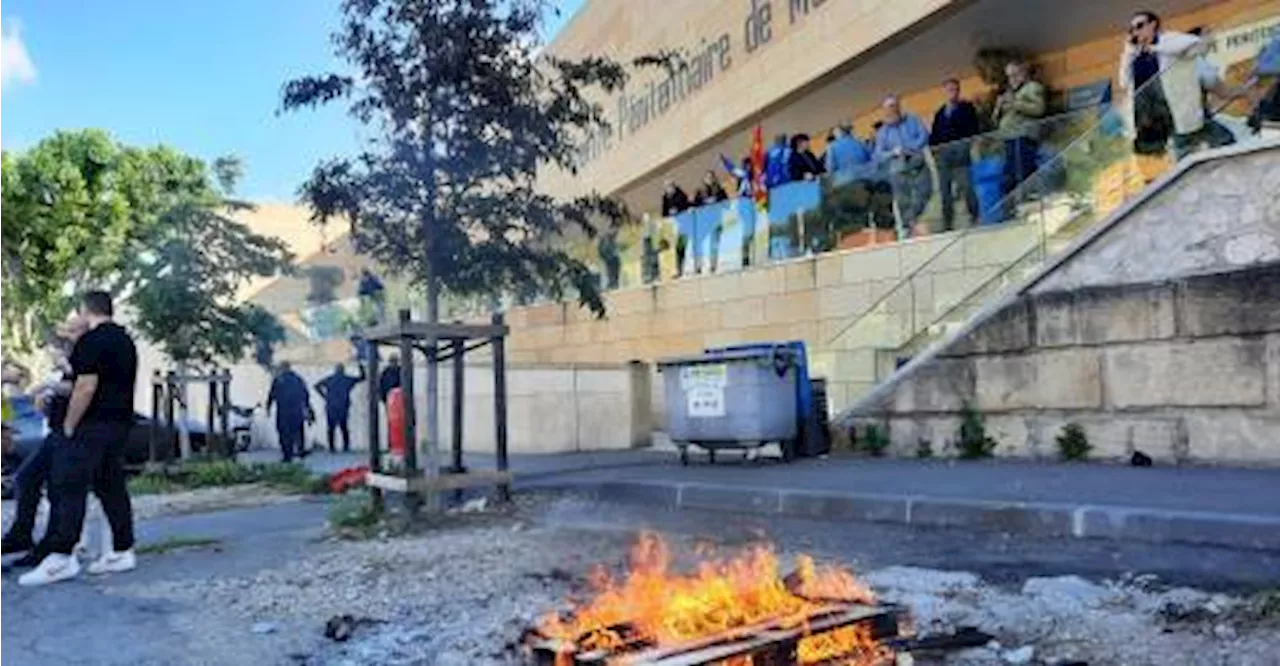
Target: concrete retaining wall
pixel 1158 332
pixel 550 409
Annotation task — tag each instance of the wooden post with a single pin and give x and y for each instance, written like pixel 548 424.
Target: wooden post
pixel 500 404
pixel 157 397
pixel 459 398
pixel 209 438
pixel 407 404
pixel 224 415
pixel 375 454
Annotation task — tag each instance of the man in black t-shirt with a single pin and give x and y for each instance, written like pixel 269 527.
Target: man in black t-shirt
pixel 100 413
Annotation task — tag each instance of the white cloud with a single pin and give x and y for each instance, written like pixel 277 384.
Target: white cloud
pixel 15 62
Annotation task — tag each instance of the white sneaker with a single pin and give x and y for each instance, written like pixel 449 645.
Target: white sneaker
pixel 53 568
pixel 114 562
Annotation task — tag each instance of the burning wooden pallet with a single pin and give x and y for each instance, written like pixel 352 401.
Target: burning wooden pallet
pixel 842 634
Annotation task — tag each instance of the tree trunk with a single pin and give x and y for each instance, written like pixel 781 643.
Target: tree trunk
pixel 432 466
pixel 184 434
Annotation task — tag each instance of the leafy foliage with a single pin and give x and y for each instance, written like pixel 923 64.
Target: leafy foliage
pixel 873 440
pixel 81 210
pixel 465 113
pixel 972 440
pixel 286 477
pixel 1073 443
pixel 924 448
pixel 196 261
pixel 78 209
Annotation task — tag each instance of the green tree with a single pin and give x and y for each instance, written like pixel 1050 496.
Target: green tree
pixel 464 113
pixel 195 262
pixel 78 208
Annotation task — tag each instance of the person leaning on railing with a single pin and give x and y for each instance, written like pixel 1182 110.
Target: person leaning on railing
pixel 955 122
pixel 1159 68
pixel 1017 114
pixel 900 144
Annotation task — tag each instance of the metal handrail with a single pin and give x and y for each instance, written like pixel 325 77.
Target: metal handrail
pixel 1018 190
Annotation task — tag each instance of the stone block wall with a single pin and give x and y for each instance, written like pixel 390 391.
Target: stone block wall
pixel 1159 331
pixel 813 299
pixel 1185 370
pixel 550 409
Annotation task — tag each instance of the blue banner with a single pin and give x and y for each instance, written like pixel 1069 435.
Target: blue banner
pixel 787 207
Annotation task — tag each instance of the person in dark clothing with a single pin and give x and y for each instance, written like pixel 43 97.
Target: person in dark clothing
pixel 674 200
pixel 32 474
pixel 96 430
pixel 335 390
pixel 372 295
pixel 292 401
pixel 711 191
pixel 389 378
pixel 955 122
pixel 803 164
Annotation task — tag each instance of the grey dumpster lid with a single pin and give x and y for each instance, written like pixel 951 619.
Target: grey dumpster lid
pixel 721 357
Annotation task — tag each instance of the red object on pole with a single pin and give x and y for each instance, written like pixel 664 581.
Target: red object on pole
pixel 395 421
pixel 759 193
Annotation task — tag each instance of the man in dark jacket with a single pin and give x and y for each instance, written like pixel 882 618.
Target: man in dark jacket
pixel 803 164
pixel 674 199
pixel 335 390
pixel 953 125
pixel 292 401
pixel 711 191
pixel 389 378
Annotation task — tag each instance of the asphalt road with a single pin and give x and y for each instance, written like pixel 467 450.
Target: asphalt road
pixel 89 622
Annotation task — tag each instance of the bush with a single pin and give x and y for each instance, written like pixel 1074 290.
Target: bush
pixel 354 514
pixel 207 473
pixel 924 448
pixel 972 440
pixel 873 441
pixel 1073 444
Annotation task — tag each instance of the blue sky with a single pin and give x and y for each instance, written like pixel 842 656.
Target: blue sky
pixel 201 76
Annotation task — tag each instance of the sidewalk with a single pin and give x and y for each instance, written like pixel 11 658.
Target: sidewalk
pixel 1237 508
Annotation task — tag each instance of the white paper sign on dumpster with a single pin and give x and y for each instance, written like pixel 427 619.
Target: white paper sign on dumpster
pixel 705 401
pixel 708 375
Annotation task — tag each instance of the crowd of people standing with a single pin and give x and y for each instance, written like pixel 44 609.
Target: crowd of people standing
pixel 1166 72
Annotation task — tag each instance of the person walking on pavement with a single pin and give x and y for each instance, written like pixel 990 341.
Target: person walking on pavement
pixel 335 390
pixel 91 453
pixel 953 125
pixel 290 397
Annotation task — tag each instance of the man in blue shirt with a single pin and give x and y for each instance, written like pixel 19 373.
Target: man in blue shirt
pixel 335 390
pixel 846 155
pixel 900 145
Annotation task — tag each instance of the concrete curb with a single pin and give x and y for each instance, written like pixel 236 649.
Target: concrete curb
pixel 1084 521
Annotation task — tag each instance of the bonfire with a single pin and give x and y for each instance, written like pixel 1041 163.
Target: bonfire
pixel 722 601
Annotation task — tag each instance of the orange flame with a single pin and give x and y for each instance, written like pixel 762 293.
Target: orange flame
pixel 657 607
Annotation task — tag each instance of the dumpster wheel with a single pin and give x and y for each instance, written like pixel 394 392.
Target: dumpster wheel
pixel 684 454
pixel 788 448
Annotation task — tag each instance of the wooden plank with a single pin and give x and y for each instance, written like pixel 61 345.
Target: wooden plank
pixel 748 640
pixel 422 484
pixel 443 331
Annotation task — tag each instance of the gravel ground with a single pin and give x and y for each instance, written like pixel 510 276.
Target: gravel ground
pixel 461 593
